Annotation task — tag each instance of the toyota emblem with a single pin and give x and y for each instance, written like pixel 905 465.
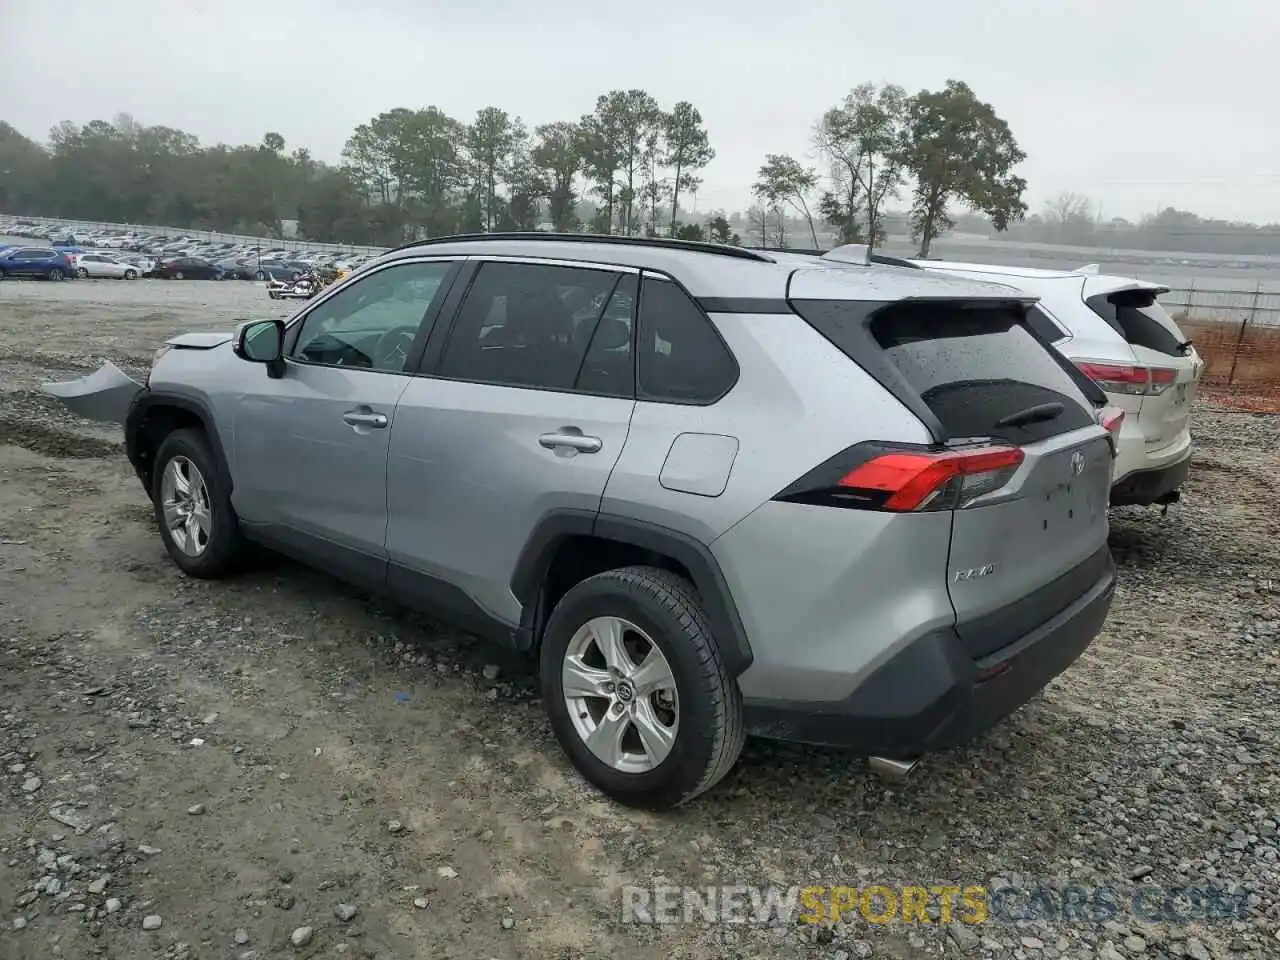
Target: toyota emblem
pixel 1077 463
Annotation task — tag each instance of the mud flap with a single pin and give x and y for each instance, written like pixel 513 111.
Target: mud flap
pixel 104 395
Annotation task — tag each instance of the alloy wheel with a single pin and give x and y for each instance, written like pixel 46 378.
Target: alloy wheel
pixel 187 513
pixel 621 694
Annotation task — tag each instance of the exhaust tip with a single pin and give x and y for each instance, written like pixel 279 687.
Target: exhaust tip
pixel 894 770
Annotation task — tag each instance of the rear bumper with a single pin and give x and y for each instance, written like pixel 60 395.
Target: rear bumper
pixel 932 694
pixel 1151 485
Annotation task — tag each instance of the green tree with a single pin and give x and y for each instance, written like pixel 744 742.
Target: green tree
pixel 557 156
pixel 720 231
pixel 654 187
pixel 688 151
pixel 24 170
pixel 784 183
pixel 601 159
pixel 862 139
pixel 958 149
pixel 492 142
pixel 624 121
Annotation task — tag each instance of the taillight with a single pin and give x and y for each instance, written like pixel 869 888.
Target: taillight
pixel 903 480
pixel 1128 378
pixel 1112 418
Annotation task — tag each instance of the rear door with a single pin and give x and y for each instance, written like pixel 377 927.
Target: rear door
pixel 524 409
pixel 1173 366
pixel 1032 540
pixel 1028 549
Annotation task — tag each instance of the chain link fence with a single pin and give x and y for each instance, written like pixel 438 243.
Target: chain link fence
pixel 1237 332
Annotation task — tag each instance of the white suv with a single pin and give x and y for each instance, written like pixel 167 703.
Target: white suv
pixel 1115 330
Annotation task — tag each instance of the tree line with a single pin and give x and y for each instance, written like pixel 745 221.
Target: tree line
pixel 1075 220
pixel 630 166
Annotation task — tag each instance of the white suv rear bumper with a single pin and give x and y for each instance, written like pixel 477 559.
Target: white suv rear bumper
pixel 1144 476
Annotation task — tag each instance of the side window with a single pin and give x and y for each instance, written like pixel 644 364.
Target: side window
pixel 372 323
pixel 681 357
pixel 609 369
pixel 1043 325
pixel 527 325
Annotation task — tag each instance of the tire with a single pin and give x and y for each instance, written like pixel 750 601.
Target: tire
pixel 82 273
pixel 709 729
pixel 223 546
pixel 55 274
pixel 131 274
pixel 260 275
pixel 179 276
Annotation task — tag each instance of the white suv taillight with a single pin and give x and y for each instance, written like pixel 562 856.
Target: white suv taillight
pixel 1128 378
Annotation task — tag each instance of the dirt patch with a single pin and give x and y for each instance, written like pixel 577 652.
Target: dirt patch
pixel 53 442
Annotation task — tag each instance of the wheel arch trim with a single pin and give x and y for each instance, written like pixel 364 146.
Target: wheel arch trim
pixel 556 526
pixel 149 400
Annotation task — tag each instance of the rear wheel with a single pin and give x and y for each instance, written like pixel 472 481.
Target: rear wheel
pixel 193 508
pixel 82 273
pixel 55 274
pixel 179 276
pixel 260 275
pixel 636 690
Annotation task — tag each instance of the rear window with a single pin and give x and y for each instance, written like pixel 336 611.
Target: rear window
pixel 981 371
pixel 1138 317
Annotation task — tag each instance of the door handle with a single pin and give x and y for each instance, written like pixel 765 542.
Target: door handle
pixel 573 440
pixel 365 418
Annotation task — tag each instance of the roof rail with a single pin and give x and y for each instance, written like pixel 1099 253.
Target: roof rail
pixel 665 243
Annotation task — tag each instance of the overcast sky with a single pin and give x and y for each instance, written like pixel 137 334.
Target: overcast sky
pixel 1134 103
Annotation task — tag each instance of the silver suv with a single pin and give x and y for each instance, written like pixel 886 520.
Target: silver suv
pixel 716 491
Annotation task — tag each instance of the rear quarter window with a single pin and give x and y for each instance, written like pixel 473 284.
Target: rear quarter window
pixel 1138 316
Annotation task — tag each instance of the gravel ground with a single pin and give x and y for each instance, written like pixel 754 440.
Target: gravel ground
pixel 279 766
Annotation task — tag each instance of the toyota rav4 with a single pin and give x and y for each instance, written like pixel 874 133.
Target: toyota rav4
pixel 715 491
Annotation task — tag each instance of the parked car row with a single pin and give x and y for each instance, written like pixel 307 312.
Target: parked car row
pixel 179 257
pixel 832 499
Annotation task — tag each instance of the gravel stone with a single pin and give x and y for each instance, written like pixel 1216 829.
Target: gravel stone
pixel 31 784
pixel 346 912
pixel 196 809
pixel 152 922
pixel 113 905
pixel 301 936
pixel 241 936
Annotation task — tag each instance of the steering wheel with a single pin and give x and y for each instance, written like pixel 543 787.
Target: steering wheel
pixel 392 349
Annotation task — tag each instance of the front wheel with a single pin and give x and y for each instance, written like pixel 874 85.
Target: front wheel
pixel 636 690
pixel 193 508
pixel 131 274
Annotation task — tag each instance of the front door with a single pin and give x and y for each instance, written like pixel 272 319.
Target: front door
pixel 311 447
pixel 524 410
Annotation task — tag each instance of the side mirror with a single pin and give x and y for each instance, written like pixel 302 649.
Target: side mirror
pixel 262 341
